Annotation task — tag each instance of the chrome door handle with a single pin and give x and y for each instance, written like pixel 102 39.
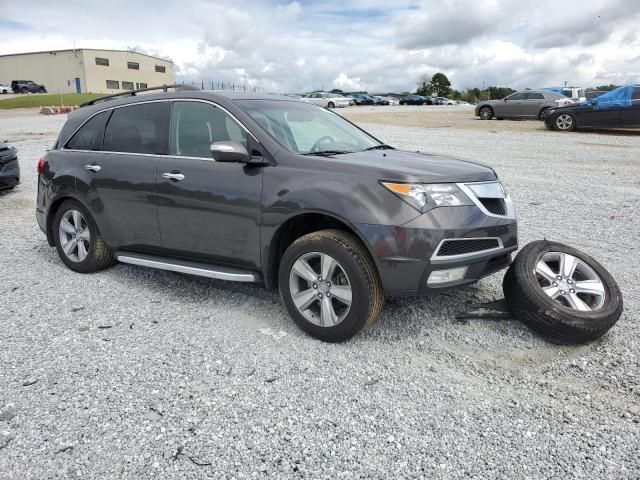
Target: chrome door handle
pixel 173 176
pixel 93 168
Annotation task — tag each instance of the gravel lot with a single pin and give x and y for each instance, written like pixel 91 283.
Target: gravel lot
pixel 136 373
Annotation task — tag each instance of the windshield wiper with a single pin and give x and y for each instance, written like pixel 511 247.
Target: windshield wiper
pixel 328 152
pixel 382 146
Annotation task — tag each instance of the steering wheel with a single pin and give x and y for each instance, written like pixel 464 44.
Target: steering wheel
pixel 321 140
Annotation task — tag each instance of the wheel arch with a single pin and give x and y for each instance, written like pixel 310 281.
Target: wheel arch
pixel 53 209
pixel 293 228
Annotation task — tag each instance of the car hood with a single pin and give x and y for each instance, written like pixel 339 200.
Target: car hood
pixel 405 166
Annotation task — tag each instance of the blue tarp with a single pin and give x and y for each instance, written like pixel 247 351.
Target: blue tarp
pixel 620 97
pixel 561 90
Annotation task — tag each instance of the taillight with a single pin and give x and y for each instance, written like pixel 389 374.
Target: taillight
pixel 41 164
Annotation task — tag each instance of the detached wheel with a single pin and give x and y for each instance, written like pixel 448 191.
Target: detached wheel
pixel 564 122
pixel 562 293
pixel 330 286
pixel 78 241
pixel 486 113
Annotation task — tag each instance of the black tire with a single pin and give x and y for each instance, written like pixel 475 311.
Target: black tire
pixel 557 119
pixel 331 105
pixel 367 292
pixel 554 321
pixel 42 90
pixel 486 116
pixel 543 114
pixel 99 255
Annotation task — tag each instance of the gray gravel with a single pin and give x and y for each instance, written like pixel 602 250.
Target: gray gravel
pixel 136 373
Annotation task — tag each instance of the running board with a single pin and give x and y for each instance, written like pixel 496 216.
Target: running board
pixel 191 268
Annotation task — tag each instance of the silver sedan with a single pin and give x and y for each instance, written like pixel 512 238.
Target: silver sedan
pixel 526 104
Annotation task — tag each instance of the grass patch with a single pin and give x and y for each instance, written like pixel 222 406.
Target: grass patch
pixel 47 100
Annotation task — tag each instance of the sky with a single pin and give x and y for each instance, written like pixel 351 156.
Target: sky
pixel 370 45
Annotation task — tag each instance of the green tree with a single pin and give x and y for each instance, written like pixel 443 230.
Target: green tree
pixel 607 88
pixel 440 85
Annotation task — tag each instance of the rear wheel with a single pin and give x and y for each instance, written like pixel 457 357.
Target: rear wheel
pixel 78 241
pixel 486 113
pixel 330 286
pixel 564 122
pixel 543 114
pixel 331 105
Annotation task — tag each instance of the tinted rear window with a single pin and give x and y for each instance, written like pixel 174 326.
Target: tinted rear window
pixel 89 137
pixel 138 129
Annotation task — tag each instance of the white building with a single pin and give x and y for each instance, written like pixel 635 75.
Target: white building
pixel 87 70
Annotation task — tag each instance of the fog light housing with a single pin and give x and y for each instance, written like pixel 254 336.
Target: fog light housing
pixel 447 276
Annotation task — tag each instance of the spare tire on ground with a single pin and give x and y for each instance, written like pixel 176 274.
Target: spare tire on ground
pixel 562 293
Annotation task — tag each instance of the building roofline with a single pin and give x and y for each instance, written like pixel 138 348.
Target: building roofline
pixel 90 49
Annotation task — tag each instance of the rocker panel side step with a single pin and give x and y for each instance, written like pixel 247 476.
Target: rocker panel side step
pixel 191 268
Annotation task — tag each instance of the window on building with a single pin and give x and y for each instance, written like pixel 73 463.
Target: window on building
pixel 127 85
pixel 89 137
pixel 137 129
pixel 161 69
pixel 195 126
pixel 140 85
pixel 102 61
pixel 133 65
pixel 113 85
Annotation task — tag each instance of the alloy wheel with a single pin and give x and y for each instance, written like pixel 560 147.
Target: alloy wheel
pixel 564 122
pixel 320 289
pixel 485 113
pixel 75 237
pixel 570 281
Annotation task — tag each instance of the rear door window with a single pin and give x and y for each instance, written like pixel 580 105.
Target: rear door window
pixel 90 135
pixel 138 129
pixel 535 96
pixel 196 125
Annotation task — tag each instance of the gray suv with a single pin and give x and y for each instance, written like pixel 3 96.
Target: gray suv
pixel 268 189
pixel 533 104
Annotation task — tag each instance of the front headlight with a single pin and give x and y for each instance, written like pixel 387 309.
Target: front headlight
pixel 424 197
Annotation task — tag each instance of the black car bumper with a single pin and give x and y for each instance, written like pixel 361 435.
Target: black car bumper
pixel 9 171
pixel 407 255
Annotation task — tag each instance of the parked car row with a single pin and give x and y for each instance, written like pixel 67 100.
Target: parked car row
pixel 427 100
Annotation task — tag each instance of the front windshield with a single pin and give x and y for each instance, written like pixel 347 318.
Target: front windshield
pixel 304 128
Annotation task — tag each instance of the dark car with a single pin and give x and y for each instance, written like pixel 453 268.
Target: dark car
pixel 380 100
pixel 9 167
pixel 362 99
pixel 413 100
pixel 619 108
pixel 27 86
pixel 268 189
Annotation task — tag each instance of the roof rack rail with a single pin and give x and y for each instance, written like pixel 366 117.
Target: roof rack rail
pixel 133 93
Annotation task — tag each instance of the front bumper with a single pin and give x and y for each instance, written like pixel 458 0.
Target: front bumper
pixel 9 173
pixel 404 254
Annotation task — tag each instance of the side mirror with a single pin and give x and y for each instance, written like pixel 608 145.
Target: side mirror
pixel 230 151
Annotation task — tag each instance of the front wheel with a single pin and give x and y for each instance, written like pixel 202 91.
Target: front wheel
pixel 331 105
pixel 78 241
pixel 330 286
pixel 564 123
